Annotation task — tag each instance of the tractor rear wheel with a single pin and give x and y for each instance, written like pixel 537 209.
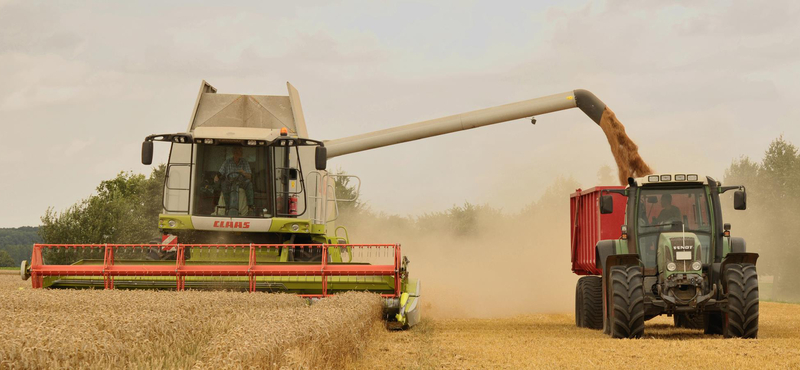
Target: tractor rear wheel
pixel 589 303
pixel 626 311
pixel 741 320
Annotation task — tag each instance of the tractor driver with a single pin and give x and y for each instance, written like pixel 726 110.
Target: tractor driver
pixel 236 174
pixel 669 213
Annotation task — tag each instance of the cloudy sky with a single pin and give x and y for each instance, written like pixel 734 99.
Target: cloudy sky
pixel 697 83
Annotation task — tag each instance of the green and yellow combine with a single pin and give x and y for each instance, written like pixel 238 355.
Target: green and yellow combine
pixel 248 205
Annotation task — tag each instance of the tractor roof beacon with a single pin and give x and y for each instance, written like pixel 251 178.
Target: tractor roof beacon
pixel 664 250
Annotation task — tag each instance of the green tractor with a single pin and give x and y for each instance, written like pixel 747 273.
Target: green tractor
pixel 674 256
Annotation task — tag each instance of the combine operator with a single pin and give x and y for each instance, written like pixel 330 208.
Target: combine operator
pixel 236 174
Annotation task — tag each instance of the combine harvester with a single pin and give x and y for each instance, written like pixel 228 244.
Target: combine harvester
pixel 248 205
pixel 658 246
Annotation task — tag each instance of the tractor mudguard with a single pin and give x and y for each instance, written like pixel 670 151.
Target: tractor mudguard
pixel 738 258
pixel 738 245
pixel 735 258
pixel 603 249
pixel 621 260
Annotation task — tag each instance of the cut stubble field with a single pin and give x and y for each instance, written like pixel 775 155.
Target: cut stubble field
pixel 135 329
pixel 551 341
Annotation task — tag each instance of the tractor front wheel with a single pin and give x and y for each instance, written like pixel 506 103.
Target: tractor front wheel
pixel 626 303
pixel 741 320
pixel 589 303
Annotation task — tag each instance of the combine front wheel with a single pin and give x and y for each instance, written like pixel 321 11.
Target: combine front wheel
pixel 741 320
pixel 626 311
pixel 24 271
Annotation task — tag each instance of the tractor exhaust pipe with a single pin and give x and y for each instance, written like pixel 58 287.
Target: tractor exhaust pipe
pixel 583 99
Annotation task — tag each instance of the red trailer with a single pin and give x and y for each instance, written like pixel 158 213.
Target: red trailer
pixel 588 226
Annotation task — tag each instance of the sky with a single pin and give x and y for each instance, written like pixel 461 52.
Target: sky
pixel 698 84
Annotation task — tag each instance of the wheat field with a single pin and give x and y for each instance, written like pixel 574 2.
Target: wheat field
pixel 69 329
pixel 52 329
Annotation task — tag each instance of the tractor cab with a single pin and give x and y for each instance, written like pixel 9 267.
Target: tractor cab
pixel 671 221
pixel 666 212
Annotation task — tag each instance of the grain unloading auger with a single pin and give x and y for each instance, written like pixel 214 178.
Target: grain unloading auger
pixel 248 204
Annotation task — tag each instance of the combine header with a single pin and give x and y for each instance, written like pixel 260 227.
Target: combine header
pixel 318 280
pixel 248 205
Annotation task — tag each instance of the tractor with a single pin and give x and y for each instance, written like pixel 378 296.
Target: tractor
pixel 664 251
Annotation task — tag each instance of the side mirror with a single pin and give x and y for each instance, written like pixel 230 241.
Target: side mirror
pixel 147 152
pixel 606 204
pixel 740 200
pixel 321 158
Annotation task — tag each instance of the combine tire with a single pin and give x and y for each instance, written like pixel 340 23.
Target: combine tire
pixel 626 311
pixel 741 320
pixel 589 303
pixel 688 321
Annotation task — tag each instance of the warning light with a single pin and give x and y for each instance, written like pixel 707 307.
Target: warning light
pixel 284 131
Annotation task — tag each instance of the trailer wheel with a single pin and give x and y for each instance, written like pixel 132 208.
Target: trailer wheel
pixel 689 321
pixel 579 303
pixel 589 303
pixel 741 320
pixel 626 311
pixel 712 323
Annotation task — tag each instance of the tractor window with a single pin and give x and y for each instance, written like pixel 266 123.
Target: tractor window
pixel 232 181
pixel 671 210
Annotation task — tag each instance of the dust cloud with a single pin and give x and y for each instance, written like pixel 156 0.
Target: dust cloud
pixel 625 151
pixel 476 261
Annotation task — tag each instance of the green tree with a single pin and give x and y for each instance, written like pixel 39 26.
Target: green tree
pixel 124 210
pixel 346 189
pixel 18 242
pixel 5 259
pixel 773 188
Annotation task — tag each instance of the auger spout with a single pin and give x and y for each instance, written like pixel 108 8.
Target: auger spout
pixel 583 99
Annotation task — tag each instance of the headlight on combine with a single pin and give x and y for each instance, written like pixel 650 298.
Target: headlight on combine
pixel 172 223
pixel 696 265
pixel 671 266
